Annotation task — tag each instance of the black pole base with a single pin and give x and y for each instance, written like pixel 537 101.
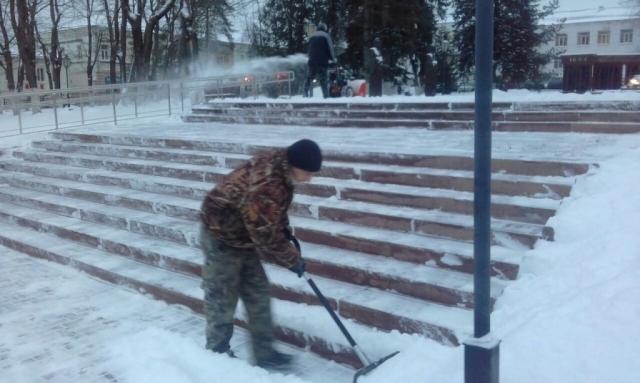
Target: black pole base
pixel 482 360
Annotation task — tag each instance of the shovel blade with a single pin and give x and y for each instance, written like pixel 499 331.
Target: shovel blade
pixel 367 369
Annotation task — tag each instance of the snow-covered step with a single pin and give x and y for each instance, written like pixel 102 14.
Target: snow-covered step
pixel 309 121
pixel 108 195
pixel 418 221
pixel 130 235
pixel 369 306
pixel 432 251
pixel 128 165
pixel 401 121
pixel 193 157
pixel 374 111
pixel 523 209
pixel 507 184
pixel 153 184
pixel 561 167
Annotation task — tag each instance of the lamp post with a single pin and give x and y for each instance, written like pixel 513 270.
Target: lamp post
pixel 310 29
pixel 482 352
pixel 446 85
pixel 66 62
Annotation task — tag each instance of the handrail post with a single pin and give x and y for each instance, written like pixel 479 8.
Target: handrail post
pixel 55 109
pixel 169 97
pixel 255 88
pixel 135 102
pixel 113 102
pixel 20 117
pixel 181 96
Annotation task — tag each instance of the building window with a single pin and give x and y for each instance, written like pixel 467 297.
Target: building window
pixel 40 74
pixel 561 40
pixel 626 36
pixel 222 59
pixel 104 52
pixel 604 37
pixel 583 38
pixel 79 51
pixel 557 64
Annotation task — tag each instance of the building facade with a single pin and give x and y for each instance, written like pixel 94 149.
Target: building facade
pixel 600 44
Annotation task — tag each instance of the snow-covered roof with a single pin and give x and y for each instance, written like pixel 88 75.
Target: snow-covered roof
pixel 583 11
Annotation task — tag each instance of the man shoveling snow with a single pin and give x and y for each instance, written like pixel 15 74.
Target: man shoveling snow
pixel 244 217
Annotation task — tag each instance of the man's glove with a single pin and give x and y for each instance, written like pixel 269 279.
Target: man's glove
pixel 299 268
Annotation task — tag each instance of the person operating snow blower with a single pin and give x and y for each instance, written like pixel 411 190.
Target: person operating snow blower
pixel 321 56
pixel 244 218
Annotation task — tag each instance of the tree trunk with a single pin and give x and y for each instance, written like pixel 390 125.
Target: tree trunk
pixel 6 52
pixel 147 45
pixel 55 51
pixel 169 58
pixel 135 21
pixel 24 31
pixel 20 77
pixel 90 46
pixel 123 44
pixel 156 52
pixel 112 26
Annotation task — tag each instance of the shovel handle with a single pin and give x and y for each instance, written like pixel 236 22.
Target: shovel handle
pixel 363 358
pixel 327 306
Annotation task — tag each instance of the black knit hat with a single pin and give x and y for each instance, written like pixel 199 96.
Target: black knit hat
pixel 305 154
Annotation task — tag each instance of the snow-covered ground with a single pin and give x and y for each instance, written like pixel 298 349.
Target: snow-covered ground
pixel 570 317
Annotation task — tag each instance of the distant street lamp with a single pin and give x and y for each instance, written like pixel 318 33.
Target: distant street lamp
pixel 310 29
pixel 66 61
pixel 446 86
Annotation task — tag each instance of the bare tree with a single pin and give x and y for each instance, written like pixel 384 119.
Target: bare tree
pixel 23 21
pixel 98 35
pixel 143 41
pixel 172 43
pixel 123 43
pixel 5 47
pixel 91 11
pixel 112 15
pixel 51 49
pixel 188 37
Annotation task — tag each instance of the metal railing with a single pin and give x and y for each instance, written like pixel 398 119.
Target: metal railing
pixel 128 101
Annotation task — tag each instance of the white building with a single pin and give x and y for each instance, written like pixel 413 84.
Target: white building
pixel 598 33
pixel 75 44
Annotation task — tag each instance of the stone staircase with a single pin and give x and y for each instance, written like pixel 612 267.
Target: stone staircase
pixel 611 117
pixel 389 236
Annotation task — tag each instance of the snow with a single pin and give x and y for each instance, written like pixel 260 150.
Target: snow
pixel 571 316
pixel 159 356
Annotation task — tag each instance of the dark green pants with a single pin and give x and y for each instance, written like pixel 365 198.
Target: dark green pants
pixel 321 73
pixel 230 273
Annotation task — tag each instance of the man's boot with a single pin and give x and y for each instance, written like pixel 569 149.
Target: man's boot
pixel 276 361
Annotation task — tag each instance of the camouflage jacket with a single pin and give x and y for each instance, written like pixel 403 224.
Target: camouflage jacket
pixel 248 208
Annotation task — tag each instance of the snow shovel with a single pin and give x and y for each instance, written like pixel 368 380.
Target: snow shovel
pixel 368 365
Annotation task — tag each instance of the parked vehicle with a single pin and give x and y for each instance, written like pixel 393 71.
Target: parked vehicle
pixel 634 83
pixel 555 83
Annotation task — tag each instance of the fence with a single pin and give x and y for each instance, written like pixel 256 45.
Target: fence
pixel 119 102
